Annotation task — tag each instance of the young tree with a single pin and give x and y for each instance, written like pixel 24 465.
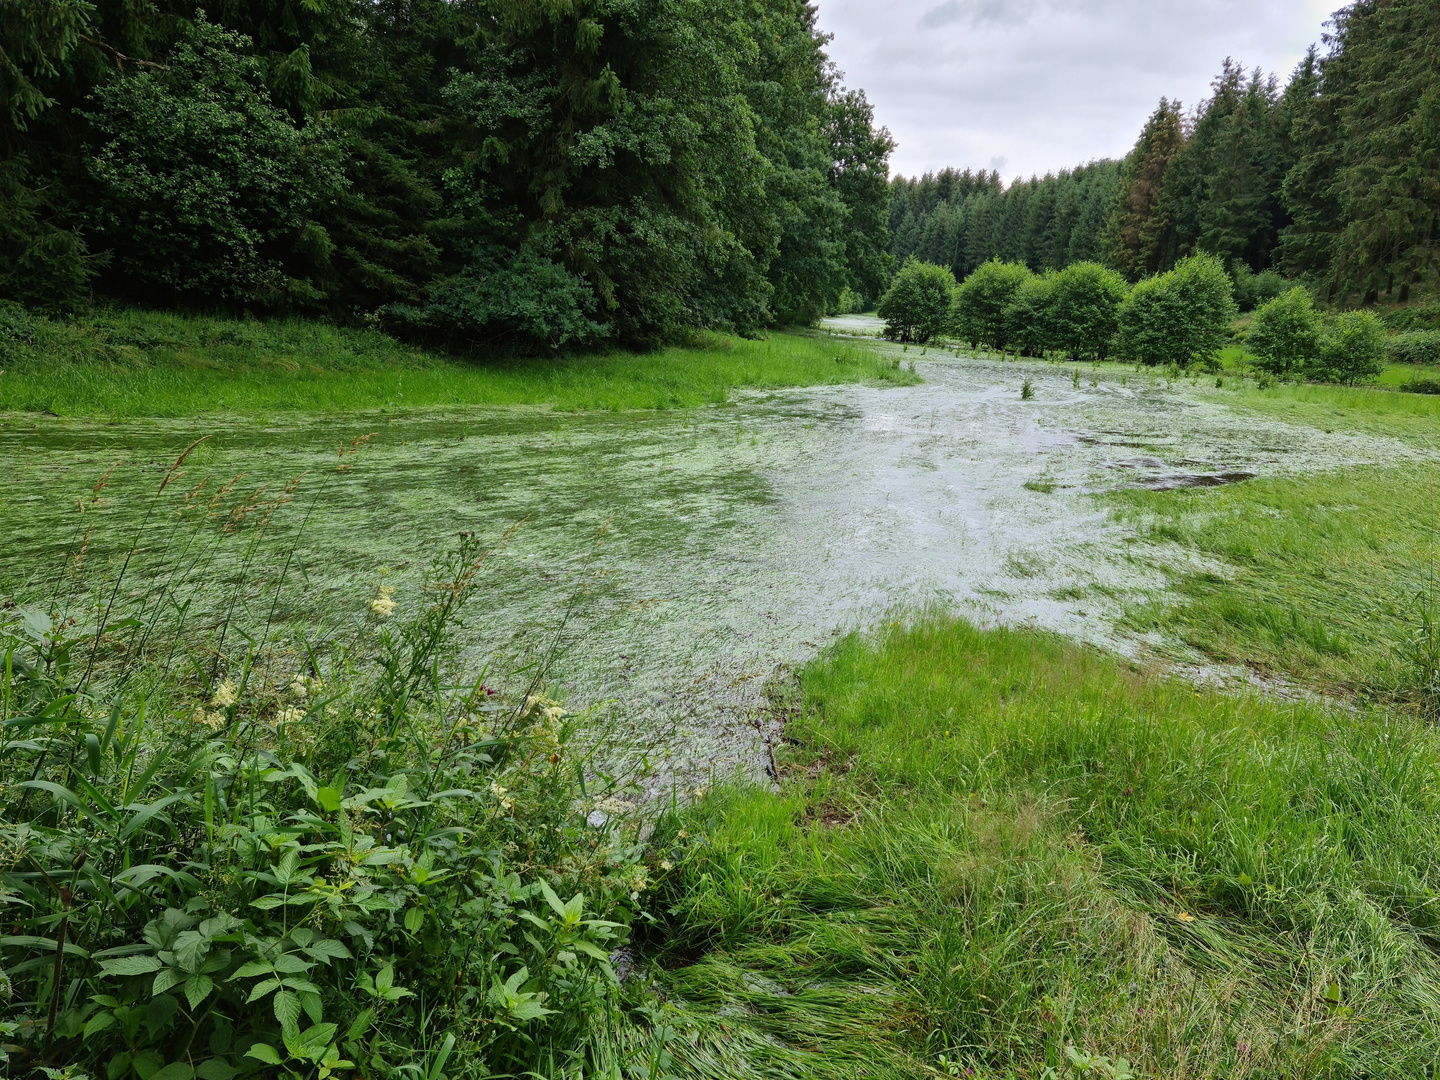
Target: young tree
pixel 1352 349
pixel 983 300
pixel 1285 334
pixel 1028 317
pixel 1084 303
pixel 1178 316
pixel 917 306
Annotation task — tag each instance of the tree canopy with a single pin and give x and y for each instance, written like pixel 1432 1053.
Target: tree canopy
pixel 500 173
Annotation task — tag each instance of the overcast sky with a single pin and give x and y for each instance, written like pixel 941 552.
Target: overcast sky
pixel 1027 86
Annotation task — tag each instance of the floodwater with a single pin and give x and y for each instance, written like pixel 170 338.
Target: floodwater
pixel 740 538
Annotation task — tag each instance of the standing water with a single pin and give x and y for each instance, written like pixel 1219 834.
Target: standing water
pixel 669 563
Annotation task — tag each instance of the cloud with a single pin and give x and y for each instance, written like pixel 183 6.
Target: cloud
pixel 999 162
pixel 958 85
pixel 978 13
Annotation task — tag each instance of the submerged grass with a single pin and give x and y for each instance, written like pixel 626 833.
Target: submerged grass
pixel 1320 576
pixel 131 363
pixel 998 854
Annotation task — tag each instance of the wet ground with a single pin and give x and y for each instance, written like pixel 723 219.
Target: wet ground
pixel 741 538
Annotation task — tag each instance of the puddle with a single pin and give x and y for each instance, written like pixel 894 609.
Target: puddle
pixel 740 538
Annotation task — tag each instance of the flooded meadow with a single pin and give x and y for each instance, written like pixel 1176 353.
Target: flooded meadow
pixel 664 565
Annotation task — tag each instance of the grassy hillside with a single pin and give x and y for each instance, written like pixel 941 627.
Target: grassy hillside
pixel 132 363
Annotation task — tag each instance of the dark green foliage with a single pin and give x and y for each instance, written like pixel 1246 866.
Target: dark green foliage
pixel 1412 317
pixel 982 303
pixel 1028 316
pixel 1180 316
pixel 41 263
pixel 1352 349
pixel 1365 191
pixel 1137 236
pixel 917 306
pixel 963 220
pixel 205 188
pixel 1285 333
pixel 638 166
pixel 1084 304
pixel 1252 289
pixel 1415 347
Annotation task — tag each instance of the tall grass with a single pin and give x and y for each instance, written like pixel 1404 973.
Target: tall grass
pixel 997 854
pixel 132 363
pixel 1319 575
pixel 233 842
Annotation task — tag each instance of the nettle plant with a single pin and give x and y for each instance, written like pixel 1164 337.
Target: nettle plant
pixel 237 869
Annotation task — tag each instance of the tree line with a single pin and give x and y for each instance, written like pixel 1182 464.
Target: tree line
pixel 505 173
pixel 1333 180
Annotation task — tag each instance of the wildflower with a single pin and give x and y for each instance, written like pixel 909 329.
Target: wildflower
pixel 291 714
pixel 382 605
pixel 224 695
pixel 213 720
pixel 300 688
pixel 500 791
pixel 666 864
pixel 1185 917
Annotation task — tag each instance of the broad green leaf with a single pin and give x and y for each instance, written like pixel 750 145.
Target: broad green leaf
pixel 178 1070
pixel 414 919
pixel 215 1069
pixel 290 963
pixel 328 799
pixel 329 948
pixel 190 950
pixel 287 1009
pixel 263 1052
pixel 99 1022
pixel 254 967
pixel 129 965
pixel 165 979
pixel 197 989
pixel 261 989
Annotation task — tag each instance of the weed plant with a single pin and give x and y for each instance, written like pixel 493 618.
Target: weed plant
pixel 1000 854
pixel 235 845
pixel 132 363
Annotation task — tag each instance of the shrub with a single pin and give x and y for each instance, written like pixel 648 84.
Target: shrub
pixel 205 189
pixel 316 854
pixel 917 305
pixel 1084 307
pixel 1252 290
pixel 1028 317
pixel 1352 349
pixel 1414 347
pixel 1413 317
pixel 981 309
pixel 1180 316
pixel 1285 333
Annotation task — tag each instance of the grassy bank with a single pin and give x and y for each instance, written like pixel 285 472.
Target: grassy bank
pixel 997 854
pixel 130 363
pixel 1320 578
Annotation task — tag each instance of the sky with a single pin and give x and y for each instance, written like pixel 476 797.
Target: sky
pixel 1031 86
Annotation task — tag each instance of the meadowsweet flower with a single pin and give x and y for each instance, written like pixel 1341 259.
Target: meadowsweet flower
pixel 291 714
pixel 382 605
pixel 224 695
pixel 300 688
pixel 666 864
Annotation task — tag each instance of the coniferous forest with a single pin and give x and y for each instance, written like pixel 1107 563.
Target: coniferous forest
pixel 1333 178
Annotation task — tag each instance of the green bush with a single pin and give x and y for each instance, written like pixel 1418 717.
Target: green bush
pixel 1414 347
pixel 917 305
pixel 1084 308
pixel 982 303
pixel 205 189
pixel 1253 290
pixel 1178 317
pixel 1285 333
pixel 316 853
pixel 1413 317
pixel 1028 316
pixel 1352 349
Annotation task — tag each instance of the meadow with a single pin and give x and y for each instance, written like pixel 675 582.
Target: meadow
pixel 125 363
pixel 259 826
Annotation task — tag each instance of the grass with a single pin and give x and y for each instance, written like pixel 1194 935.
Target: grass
pixel 999 854
pixel 1319 575
pixel 135 363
